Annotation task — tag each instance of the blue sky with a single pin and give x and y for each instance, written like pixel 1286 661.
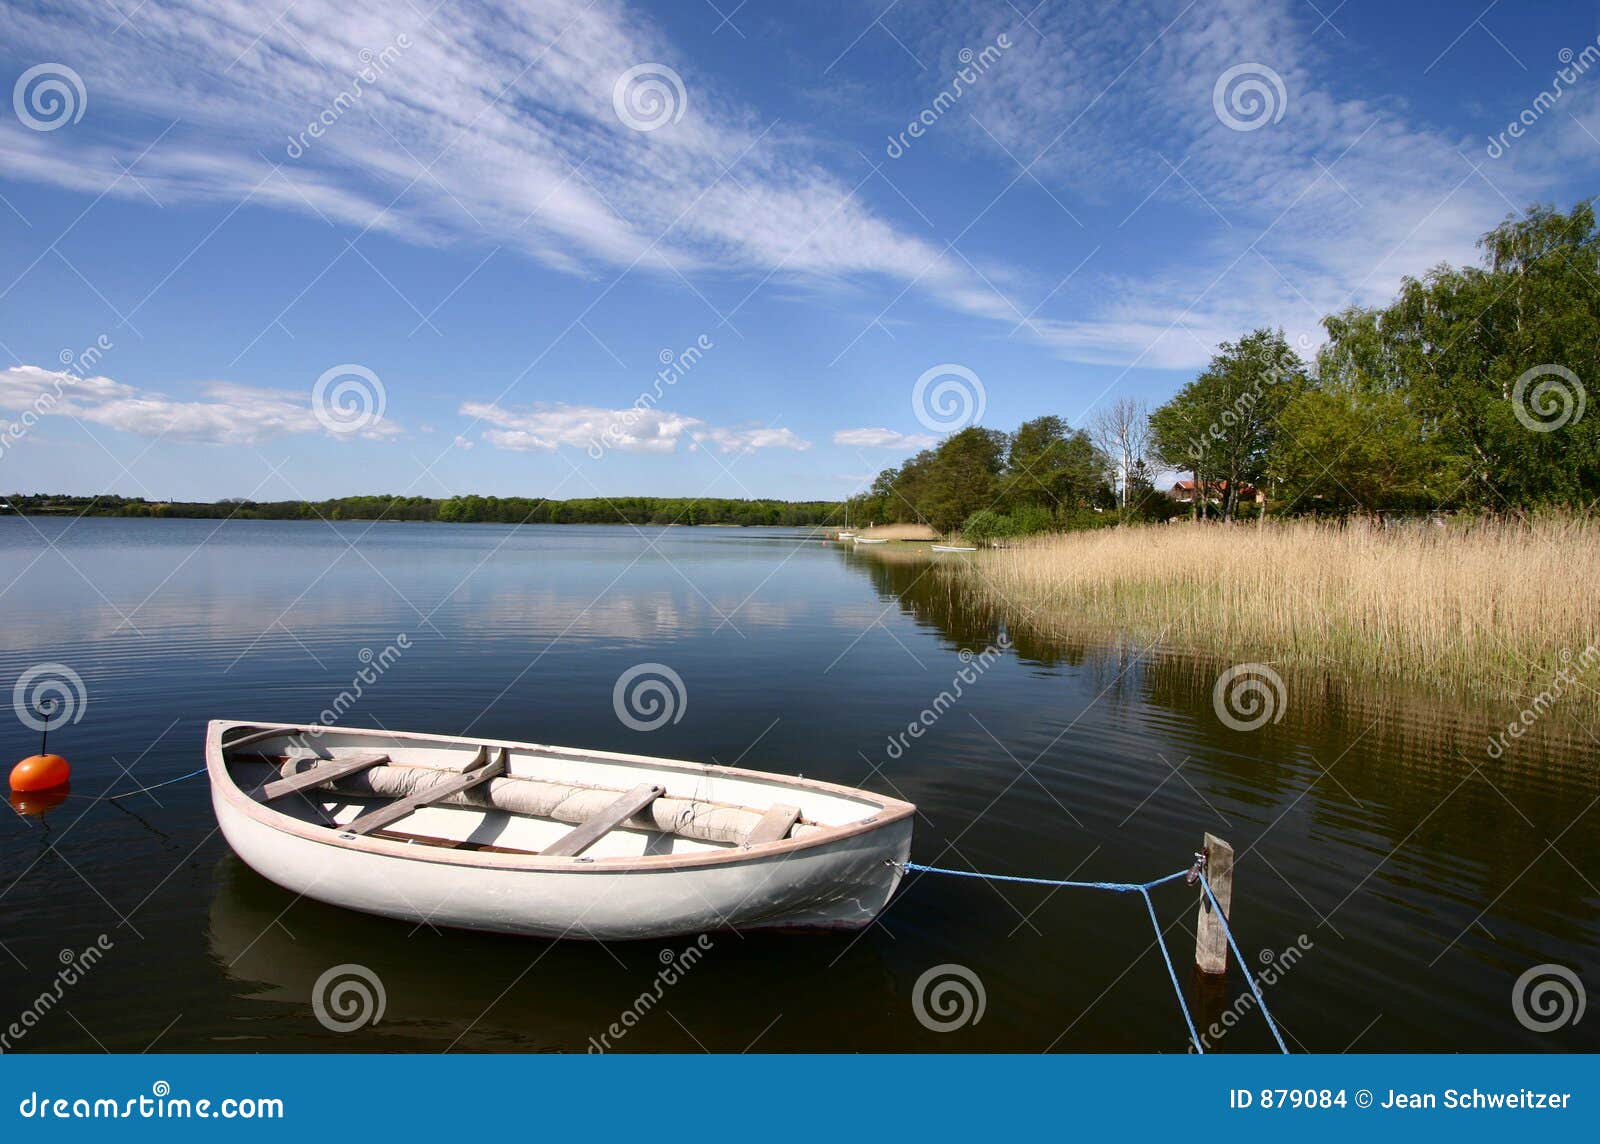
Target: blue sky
pixel 510 212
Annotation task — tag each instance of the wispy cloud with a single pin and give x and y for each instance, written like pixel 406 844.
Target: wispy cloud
pixel 494 124
pixel 882 439
pixel 545 428
pixel 230 414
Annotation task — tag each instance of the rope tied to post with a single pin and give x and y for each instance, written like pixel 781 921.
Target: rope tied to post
pixel 1191 875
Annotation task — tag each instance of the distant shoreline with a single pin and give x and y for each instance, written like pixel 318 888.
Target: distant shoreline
pixel 472 509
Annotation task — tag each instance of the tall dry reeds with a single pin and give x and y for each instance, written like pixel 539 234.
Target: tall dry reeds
pixel 1485 605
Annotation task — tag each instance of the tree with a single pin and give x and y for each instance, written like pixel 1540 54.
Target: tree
pixel 1053 467
pixel 1221 425
pixel 962 477
pixel 1122 431
pixel 1498 359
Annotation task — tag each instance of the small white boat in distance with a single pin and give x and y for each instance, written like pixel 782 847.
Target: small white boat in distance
pixel 951 548
pixel 549 841
pixel 872 540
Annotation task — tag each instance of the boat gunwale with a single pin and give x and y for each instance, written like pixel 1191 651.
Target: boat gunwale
pixel 890 810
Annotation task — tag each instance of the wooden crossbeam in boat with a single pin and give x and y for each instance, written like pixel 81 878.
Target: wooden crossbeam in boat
pixel 576 841
pixel 258 737
pixel 477 774
pixel 325 770
pixel 774 825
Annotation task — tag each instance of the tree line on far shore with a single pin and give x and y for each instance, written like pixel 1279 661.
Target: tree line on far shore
pixel 1468 392
pixel 468 509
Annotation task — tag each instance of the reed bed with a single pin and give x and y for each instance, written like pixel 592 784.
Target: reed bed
pixel 1489 606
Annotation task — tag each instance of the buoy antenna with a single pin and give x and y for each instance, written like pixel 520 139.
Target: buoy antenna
pixel 46 708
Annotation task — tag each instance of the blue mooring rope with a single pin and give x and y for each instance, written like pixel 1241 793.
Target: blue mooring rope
pixel 1143 889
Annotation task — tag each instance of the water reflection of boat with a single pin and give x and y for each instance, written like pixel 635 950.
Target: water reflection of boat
pixel 503 993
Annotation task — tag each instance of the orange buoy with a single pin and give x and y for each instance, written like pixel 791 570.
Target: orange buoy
pixel 39 772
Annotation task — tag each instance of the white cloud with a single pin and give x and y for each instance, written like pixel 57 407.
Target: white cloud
pixel 502 130
pixel 882 439
pixel 231 414
pixel 545 428
pixel 750 439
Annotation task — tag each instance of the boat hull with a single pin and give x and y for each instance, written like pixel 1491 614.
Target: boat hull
pixel 839 882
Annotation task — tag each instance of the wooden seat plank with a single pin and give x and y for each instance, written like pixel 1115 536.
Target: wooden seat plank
pixel 774 825
pixel 392 812
pixel 576 841
pixel 325 771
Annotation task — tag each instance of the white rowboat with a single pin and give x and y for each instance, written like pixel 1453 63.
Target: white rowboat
pixel 872 540
pixel 951 548
pixel 549 841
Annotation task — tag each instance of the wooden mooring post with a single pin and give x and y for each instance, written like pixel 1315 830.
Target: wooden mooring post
pixel 1210 939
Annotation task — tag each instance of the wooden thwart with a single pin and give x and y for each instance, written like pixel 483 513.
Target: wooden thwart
pixel 384 815
pixel 576 841
pixel 774 825
pixel 325 771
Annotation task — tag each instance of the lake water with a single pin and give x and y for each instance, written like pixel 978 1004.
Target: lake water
pixel 1416 878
